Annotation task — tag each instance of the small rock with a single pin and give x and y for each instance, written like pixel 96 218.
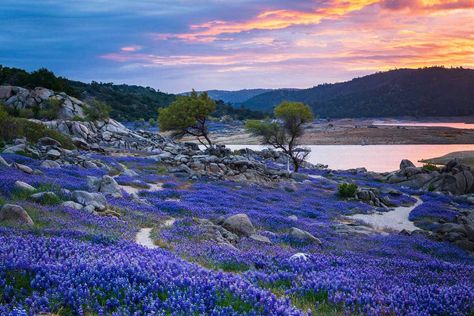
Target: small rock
pixel 14 149
pixel 53 154
pixel 48 141
pixel 42 196
pixel 299 256
pixel 260 238
pixel 20 185
pixel 293 218
pixel 303 236
pixel 72 204
pixel 50 164
pixel 23 168
pixel 3 162
pixel 16 213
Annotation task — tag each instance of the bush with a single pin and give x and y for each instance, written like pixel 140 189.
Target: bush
pixel 347 190
pixel 13 127
pixel 50 109
pixel 430 167
pixel 97 111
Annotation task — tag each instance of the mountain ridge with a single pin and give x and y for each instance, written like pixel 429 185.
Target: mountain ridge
pixel 433 91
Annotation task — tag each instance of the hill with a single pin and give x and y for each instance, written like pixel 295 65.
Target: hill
pixel 434 91
pixel 128 102
pixel 235 97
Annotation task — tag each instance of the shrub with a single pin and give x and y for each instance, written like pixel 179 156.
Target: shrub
pixel 347 190
pixel 50 109
pixel 13 127
pixel 97 111
pixel 430 167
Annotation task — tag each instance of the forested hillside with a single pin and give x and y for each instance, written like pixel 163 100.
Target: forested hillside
pixel 432 91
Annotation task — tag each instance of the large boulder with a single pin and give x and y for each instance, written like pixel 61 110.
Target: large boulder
pixel 105 185
pixel 405 163
pixel 15 213
pixel 95 201
pixel 239 224
pixel 48 141
pixel 303 236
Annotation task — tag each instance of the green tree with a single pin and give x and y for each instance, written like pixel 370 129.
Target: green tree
pixel 285 132
pixel 97 111
pixel 188 115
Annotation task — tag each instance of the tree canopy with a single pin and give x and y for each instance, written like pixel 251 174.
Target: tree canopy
pixel 285 132
pixel 188 115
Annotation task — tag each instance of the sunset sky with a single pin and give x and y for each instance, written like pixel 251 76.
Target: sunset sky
pixel 232 44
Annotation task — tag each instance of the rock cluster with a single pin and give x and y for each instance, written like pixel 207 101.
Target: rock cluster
pixel 460 232
pixel 52 154
pixel 228 231
pixel 373 197
pixel 21 98
pixel 455 178
pixel 107 134
pixel 94 203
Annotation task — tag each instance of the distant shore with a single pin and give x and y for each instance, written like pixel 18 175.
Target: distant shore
pixel 365 132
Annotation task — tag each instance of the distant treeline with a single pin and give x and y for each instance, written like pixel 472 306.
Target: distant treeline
pixel 434 91
pixel 128 102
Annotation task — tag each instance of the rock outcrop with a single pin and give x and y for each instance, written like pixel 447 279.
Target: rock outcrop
pixel 21 98
pixel 455 178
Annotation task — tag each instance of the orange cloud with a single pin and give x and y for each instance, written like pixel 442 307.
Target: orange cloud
pixel 335 9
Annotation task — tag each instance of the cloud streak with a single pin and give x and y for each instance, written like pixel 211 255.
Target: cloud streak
pixel 178 45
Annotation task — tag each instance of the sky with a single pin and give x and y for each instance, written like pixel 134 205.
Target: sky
pixel 178 45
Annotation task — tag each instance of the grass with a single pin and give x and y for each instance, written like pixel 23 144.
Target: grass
pixel 14 127
pixel 317 302
pixel 22 195
pixel 227 299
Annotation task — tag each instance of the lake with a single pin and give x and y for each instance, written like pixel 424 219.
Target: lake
pixel 379 158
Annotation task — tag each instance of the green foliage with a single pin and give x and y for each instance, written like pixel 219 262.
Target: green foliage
pixel 412 92
pixel 431 187
pixel 128 103
pixel 14 127
pixel 3 113
pixel 50 109
pixel 430 167
pixel 347 190
pixel 38 78
pixel 284 134
pixel 240 113
pixel 97 111
pixel 188 115
pixel 293 113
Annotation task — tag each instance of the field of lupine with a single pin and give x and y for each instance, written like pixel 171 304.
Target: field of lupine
pixel 73 262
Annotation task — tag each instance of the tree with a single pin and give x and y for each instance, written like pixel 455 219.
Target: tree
pixel 188 115
pixel 284 133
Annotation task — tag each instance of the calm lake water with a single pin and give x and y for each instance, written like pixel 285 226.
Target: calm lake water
pixel 379 158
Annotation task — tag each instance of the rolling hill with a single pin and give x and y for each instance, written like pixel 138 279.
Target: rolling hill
pixel 434 91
